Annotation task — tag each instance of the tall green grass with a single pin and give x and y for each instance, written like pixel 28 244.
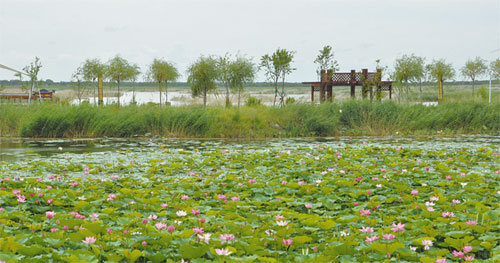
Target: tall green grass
pixel 296 120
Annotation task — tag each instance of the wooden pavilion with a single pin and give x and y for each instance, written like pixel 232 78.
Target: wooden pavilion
pixel 367 80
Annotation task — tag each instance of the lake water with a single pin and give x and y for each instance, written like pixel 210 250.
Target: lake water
pixel 27 148
pixel 177 98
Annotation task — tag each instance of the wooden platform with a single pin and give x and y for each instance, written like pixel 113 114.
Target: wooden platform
pixel 367 80
pixel 37 95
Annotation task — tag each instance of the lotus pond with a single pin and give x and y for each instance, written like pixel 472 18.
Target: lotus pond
pixel 294 200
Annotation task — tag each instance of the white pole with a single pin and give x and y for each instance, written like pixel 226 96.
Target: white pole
pixel 489 96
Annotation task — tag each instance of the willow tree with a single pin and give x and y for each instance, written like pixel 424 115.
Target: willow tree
pixel 473 69
pixel 408 69
pixel 79 83
pixel 440 71
pixel 202 76
pixel 91 70
pixel 326 60
pixel 224 74
pixel 241 71
pixel 161 72
pixel 277 66
pixel 119 69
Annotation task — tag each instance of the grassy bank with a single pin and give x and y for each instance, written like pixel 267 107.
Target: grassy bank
pixel 350 118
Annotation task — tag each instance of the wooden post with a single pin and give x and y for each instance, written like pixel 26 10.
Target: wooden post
pixel 365 80
pixel 371 92
pixel 322 86
pixel 390 92
pixel 312 94
pixel 353 84
pixel 99 90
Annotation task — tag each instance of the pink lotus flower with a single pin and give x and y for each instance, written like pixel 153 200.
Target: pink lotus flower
pixel 160 226
pixel 89 240
pixel 447 214
pixel 221 197
pixel 469 258
pixel 205 237
pixel 366 229
pixel 287 242
pixel 195 212
pixel 471 222
pixel 455 201
pixel 226 237
pixel 180 213
pixel 427 243
pixel 278 217
pixel 170 228
pixel 441 260
pixel 282 223
pixel 434 198
pixel 53 229
pixel 301 182
pixel 144 243
pixel 111 197
pixel 223 252
pixel 235 198
pixel 388 237
pixel 398 228
pixel 50 201
pixel 308 206
pixel 365 212
pixel 74 184
pixel 164 205
pixel 16 192
pixel 458 254
pixel 467 249
pixel 251 181
pixel 198 230
pixel 94 217
pixel 50 214
pixel 371 239
pixel 185 197
pixel 21 198
pixel 110 230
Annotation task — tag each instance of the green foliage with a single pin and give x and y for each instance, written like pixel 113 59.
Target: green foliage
pixel 202 76
pixel 495 68
pixel 277 66
pixel 119 69
pixel 350 118
pixel 326 60
pixel 483 92
pixel 253 101
pixel 440 71
pixel 133 189
pixel 161 72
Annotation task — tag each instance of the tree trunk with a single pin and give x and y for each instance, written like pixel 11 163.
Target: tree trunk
pixel 118 84
pixel 205 97
pixel 166 93
pixel 420 86
pixel 159 88
pixel 239 95
pixel 472 89
pixel 227 97
pixel 440 90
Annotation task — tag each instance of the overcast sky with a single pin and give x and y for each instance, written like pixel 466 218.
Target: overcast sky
pixel 63 33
